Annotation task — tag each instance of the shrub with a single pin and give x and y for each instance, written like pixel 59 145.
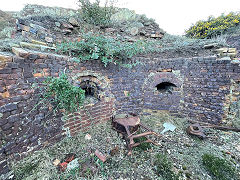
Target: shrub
pixel 220 168
pixel 214 26
pixel 62 94
pixel 93 13
pixel 94 47
pixel 164 167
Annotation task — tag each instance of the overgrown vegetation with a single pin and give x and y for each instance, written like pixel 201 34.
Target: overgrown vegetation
pixel 93 13
pixel 62 94
pixel 164 167
pixel 115 50
pixel 183 153
pixel 221 169
pixel 94 47
pixel 214 26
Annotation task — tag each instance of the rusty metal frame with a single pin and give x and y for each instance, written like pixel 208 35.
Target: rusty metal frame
pixel 129 127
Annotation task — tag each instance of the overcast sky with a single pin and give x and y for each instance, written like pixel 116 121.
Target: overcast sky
pixel 174 16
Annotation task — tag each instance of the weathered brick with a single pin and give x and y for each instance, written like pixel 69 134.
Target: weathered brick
pixel 8 107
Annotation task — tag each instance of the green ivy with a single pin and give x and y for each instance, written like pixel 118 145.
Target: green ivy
pixel 62 94
pixel 95 47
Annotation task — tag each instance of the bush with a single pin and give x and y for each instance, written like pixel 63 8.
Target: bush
pixel 93 13
pixel 94 47
pixel 220 168
pixel 214 26
pixel 164 167
pixel 62 94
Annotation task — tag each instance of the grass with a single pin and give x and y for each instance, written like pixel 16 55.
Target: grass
pixel 164 167
pixel 220 168
pixel 178 153
pixel 25 170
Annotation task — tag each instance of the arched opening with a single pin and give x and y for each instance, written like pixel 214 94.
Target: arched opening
pixel 91 90
pixel 166 87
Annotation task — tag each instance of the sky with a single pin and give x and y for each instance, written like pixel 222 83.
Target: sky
pixel 173 16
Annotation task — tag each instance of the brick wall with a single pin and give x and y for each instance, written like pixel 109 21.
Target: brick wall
pixel 200 89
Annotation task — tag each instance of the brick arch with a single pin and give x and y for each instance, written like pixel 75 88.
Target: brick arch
pixel 157 100
pixel 102 82
pixel 164 77
pixel 92 113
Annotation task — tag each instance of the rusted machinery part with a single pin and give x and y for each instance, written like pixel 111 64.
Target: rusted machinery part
pixel 129 126
pixel 196 130
pixel 208 125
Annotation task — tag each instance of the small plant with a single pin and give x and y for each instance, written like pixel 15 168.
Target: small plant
pixel 25 170
pixel 144 146
pixel 221 169
pixel 214 26
pixel 108 50
pixel 94 14
pixel 164 167
pixel 62 94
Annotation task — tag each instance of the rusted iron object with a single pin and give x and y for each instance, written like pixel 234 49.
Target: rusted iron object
pixel 196 130
pixel 129 127
pixel 208 125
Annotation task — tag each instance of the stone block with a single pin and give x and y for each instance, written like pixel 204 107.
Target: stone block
pixel 73 21
pixel 39 42
pixel 20 52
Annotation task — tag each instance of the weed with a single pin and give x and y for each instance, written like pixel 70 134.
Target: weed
pixel 62 94
pixel 95 47
pixel 221 169
pixel 164 167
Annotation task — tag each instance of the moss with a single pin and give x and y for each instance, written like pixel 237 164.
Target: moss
pixel 144 146
pixel 164 167
pixel 221 169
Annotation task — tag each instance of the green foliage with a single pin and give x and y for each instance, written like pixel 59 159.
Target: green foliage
pixel 93 13
pixel 94 47
pixel 220 168
pixel 25 170
pixel 144 146
pixel 214 26
pixel 164 167
pixel 62 94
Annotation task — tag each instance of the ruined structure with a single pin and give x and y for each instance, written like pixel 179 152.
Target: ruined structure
pixel 199 88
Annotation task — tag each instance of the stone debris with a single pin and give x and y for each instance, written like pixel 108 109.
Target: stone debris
pixel 88 137
pixel 56 162
pixel 100 155
pixel 227 52
pixel 210 46
pixel 73 22
pixel 20 52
